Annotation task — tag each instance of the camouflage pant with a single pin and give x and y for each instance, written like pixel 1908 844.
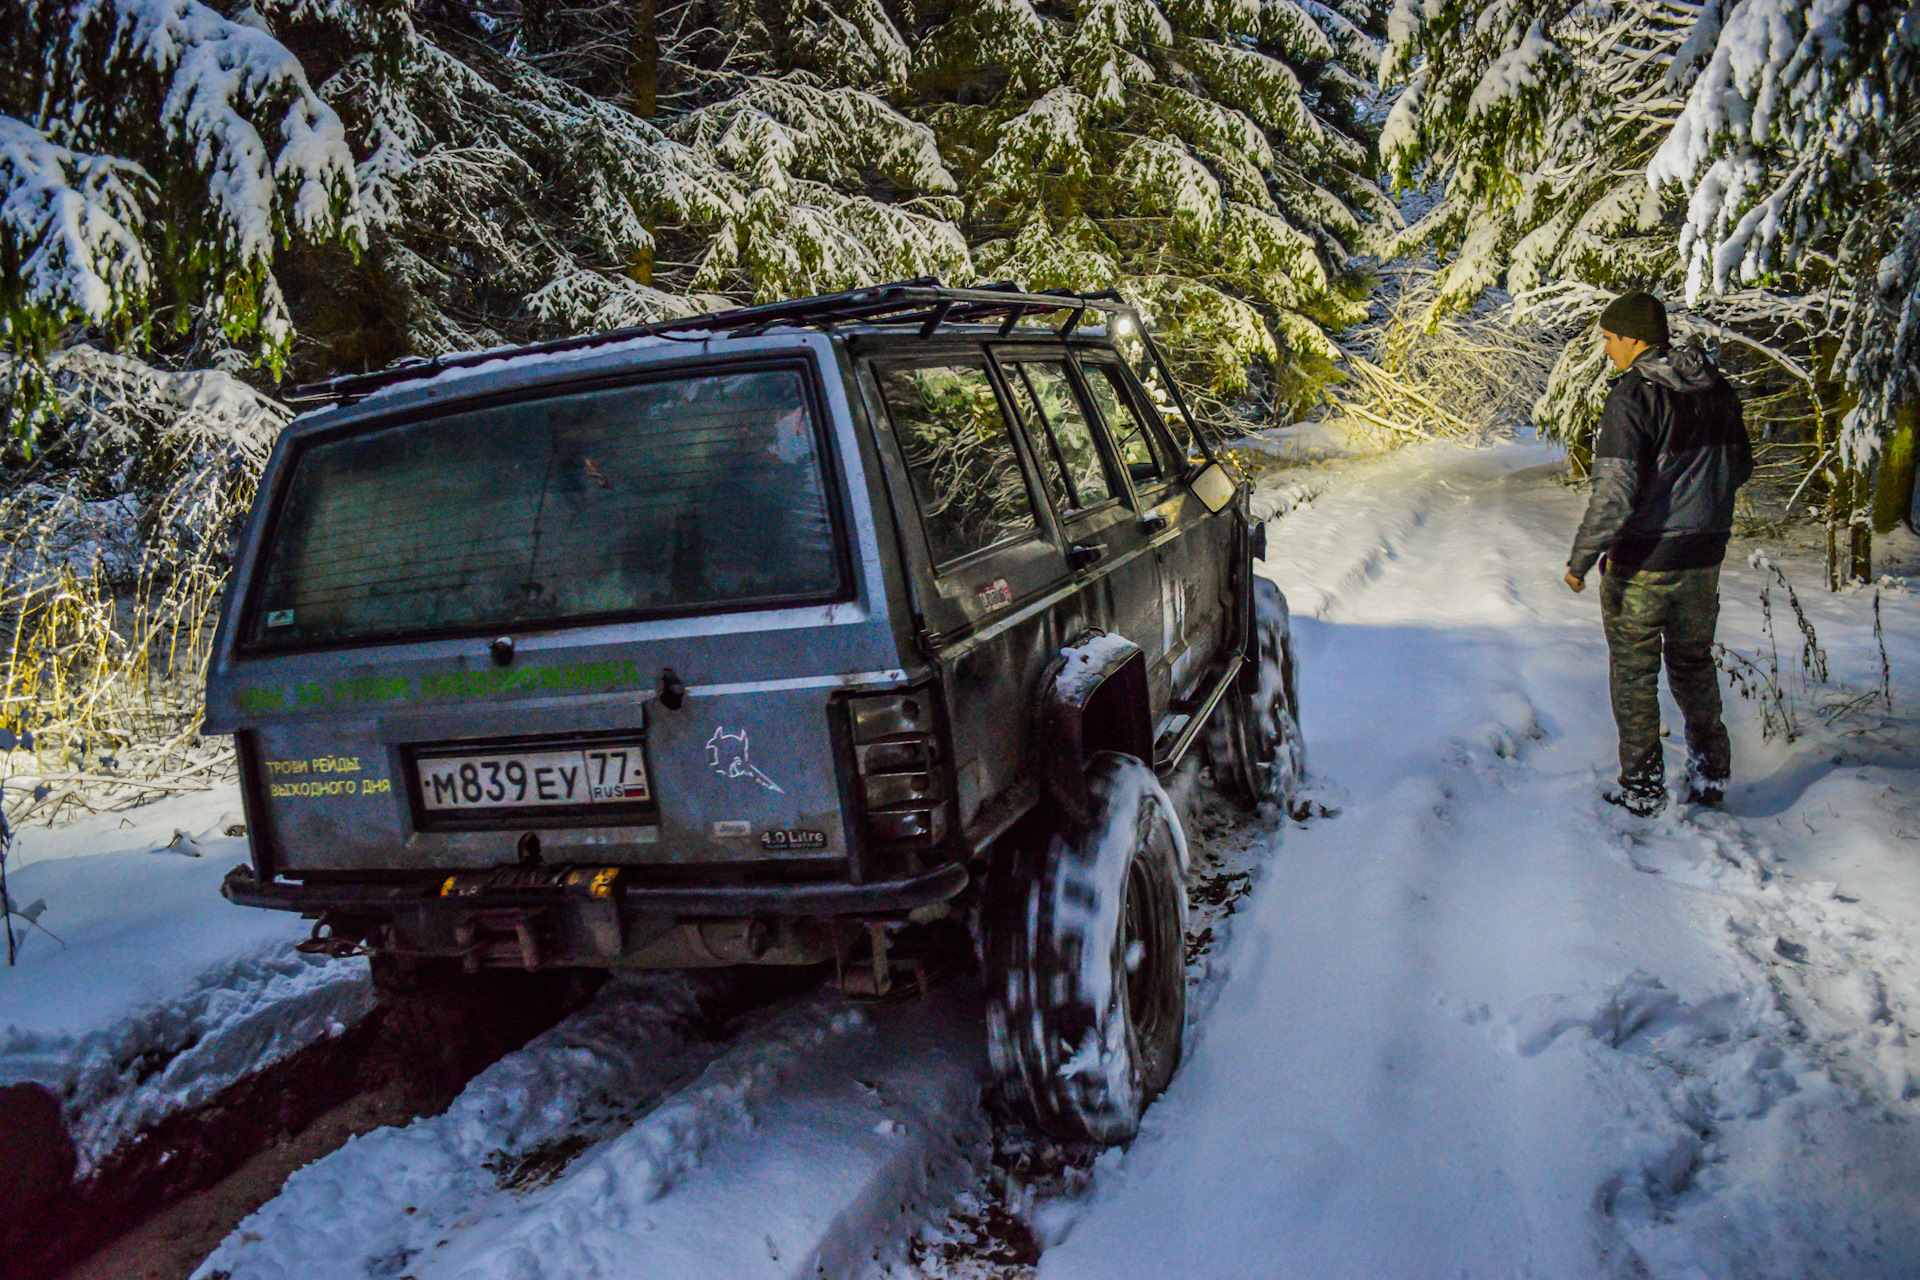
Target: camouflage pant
pixel 1644 612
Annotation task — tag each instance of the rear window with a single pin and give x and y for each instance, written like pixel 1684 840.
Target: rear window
pixel 659 497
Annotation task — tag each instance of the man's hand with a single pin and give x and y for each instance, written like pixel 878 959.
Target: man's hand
pixel 1578 584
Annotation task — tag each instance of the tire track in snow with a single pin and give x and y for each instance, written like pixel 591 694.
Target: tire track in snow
pixel 1366 561
pixel 621 1143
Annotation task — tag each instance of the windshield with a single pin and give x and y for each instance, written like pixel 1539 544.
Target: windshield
pixel 669 496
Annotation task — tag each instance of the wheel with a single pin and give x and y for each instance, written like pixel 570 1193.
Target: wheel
pixel 1253 741
pixel 1086 981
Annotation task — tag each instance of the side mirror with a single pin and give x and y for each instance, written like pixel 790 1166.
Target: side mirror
pixel 1213 486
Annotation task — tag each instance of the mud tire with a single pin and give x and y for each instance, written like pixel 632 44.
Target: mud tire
pixel 1253 740
pixel 1082 1049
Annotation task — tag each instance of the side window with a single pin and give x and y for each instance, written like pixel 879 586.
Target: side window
pixel 1130 437
pixel 1170 415
pixel 1076 475
pixel 966 474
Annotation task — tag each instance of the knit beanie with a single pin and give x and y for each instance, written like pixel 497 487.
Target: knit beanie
pixel 1637 315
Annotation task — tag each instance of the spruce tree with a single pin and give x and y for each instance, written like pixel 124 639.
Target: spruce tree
pixel 1533 126
pixel 553 171
pixel 1801 141
pixel 155 155
pixel 1206 157
pixel 1745 157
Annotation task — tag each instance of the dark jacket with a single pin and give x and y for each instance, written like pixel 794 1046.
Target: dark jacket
pixel 1671 452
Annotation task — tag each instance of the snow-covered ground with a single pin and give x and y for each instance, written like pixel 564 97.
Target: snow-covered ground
pixel 1476 1023
pixel 138 990
pixel 1482 1024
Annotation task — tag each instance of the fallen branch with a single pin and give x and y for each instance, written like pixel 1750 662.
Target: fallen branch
pixel 1455 377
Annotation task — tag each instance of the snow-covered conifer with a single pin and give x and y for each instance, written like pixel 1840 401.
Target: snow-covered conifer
pixel 566 169
pixel 1799 152
pixel 1203 155
pixel 1533 125
pixel 154 156
pixel 799 152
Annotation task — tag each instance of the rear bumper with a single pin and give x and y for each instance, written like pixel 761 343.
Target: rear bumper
pixel 246 889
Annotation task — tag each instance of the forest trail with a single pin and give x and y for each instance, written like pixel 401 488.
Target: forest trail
pixel 1469 1021
pixel 1482 1024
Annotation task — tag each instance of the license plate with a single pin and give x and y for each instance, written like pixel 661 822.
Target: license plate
pixel 604 773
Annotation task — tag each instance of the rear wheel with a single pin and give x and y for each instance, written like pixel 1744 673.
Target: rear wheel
pixel 1253 741
pixel 1086 1000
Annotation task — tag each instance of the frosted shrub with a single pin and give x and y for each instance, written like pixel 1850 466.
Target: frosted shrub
pixel 116 543
pixel 154 155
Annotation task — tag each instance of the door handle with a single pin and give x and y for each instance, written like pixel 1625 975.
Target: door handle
pixel 1152 522
pixel 1080 555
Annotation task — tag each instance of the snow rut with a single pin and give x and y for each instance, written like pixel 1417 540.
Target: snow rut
pixel 238 1018
pixel 621 1142
pixel 383 1199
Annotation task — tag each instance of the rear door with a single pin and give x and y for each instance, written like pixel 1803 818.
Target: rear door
pixel 989 543
pixel 987 546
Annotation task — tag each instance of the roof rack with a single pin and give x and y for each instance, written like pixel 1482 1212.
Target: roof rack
pixel 924 301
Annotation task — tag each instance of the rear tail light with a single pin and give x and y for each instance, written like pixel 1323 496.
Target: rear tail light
pixel 902 780
pixel 891 790
pixel 912 756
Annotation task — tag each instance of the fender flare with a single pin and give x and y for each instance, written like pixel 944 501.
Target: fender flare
pixel 1093 697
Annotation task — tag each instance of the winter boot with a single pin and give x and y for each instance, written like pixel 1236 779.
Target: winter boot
pixel 1705 786
pixel 1640 804
pixel 1642 792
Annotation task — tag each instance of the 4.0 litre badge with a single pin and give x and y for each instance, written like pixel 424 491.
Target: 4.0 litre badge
pixel 793 838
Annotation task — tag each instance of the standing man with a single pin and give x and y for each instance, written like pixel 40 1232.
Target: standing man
pixel 1671 452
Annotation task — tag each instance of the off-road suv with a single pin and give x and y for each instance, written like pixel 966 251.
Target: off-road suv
pixel 759 638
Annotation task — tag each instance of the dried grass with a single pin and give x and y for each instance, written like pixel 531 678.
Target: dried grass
pixel 108 604
pixel 101 694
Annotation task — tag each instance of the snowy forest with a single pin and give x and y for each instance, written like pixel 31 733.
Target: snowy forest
pixel 1403 216
pixel 1033 850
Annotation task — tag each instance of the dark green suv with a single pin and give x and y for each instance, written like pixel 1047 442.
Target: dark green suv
pixel 763 637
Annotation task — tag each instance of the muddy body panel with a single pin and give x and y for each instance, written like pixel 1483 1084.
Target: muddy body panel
pixel 729 777
pixel 1147 561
